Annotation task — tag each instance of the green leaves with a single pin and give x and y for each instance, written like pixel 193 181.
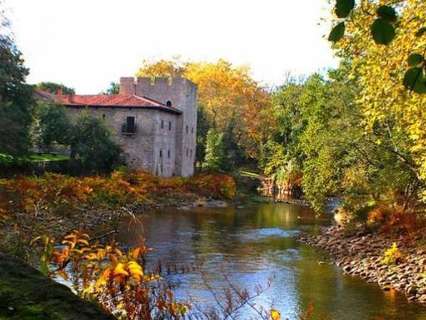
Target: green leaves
pixel 382 29
pixel 421 32
pixel 383 32
pixel 337 32
pixel 415 59
pixel 344 7
pixel 415 79
pixel 387 13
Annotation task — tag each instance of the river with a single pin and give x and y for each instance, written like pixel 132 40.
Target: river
pixel 252 245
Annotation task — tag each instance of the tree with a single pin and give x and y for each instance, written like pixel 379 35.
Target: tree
pixel 385 20
pixel 215 151
pixel 93 146
pixel 114 88
pixel 55 88
pixel 53 125
pixel 383 98
pixel 203 127
pixel 15 96
pixel 227 94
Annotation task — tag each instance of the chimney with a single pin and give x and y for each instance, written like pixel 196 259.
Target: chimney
pixel 127 86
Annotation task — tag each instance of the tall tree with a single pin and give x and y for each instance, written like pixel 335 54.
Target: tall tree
pixel 15 96
pixel 215 151
pixel 227 94
pixel 52 126
pixel 93 146
pixel 389 108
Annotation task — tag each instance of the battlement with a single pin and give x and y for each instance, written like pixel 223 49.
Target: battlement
pixel 181 94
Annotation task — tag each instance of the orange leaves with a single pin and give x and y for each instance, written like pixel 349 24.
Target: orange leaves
pixel 275 315
pixel 113 277
pixel 56 193
pixel 213 185
pixel 75 238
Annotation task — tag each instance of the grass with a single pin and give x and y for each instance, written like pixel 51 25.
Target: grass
pixel 46 157
pixel 35 157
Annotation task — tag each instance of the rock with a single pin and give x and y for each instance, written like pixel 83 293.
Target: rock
pixel 422 298
pixel 27 294
pixel 411 290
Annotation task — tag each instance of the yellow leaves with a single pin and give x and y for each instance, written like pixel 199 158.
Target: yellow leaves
pixel 135 270
pixel 91 256
pixel 111 276
pixel 120 270
pixel 380 71
pixel 392 255
pixel 76 238
pixel 104 278
pixel 275 315
pixel 225 91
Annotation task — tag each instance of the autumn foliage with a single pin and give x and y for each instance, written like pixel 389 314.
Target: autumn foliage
pixel 113 277
pixel 59 192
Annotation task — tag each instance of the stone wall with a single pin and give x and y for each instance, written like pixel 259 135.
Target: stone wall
pixel 181 94
pixel 142 149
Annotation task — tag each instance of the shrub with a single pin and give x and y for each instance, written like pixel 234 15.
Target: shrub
pixel 93 147
pixel 59 193
pixel 392 255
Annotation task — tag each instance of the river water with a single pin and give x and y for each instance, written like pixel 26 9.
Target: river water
pixel 253 245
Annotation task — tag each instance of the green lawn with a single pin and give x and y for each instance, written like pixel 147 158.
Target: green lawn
pixel 47 157
pixel 36 157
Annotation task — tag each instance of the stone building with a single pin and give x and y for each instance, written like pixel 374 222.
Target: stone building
pixel 154 122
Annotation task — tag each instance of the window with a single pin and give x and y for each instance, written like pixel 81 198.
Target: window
pixel 129 127
pixel 187 153
pixel 161 153
pixel 168 154
pixel 187 129
pixel 192 130
pixel 162 124
pixel 170 125
pixel 190 153
pixel 169 103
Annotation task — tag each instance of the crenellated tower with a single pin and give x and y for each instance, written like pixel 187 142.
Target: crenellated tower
pixel 179 93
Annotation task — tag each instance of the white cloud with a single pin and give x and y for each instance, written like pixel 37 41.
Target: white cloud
pixel 88 43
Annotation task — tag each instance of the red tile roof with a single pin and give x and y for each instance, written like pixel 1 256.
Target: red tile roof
pixel 104 100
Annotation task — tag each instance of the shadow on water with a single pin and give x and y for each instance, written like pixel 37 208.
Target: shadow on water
pixel 251 245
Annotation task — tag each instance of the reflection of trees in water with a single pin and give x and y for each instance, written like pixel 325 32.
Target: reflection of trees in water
pixel 251 244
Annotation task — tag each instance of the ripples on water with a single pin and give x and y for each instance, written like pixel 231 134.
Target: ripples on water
pixel 254 244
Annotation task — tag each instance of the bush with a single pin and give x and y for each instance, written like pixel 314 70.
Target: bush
pixel 93 147
pixel 57 193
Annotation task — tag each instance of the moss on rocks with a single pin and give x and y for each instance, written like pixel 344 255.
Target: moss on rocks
pixel 26 294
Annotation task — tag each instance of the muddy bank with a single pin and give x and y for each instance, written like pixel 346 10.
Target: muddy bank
pixel 362 255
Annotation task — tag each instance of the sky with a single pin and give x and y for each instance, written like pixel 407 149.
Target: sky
pixel 86 44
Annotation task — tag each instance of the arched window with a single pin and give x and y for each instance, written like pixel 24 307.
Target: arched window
pixel 169 103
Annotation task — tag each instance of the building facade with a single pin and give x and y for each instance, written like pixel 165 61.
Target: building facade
pixel 153 120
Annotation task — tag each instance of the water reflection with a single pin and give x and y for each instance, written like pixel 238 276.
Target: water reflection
pixel 252 245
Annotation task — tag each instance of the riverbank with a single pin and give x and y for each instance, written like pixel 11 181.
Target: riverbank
pixel 53 204
pixel 25 293
pixel 362 255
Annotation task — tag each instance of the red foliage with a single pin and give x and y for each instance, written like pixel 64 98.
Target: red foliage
pixel 50 191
